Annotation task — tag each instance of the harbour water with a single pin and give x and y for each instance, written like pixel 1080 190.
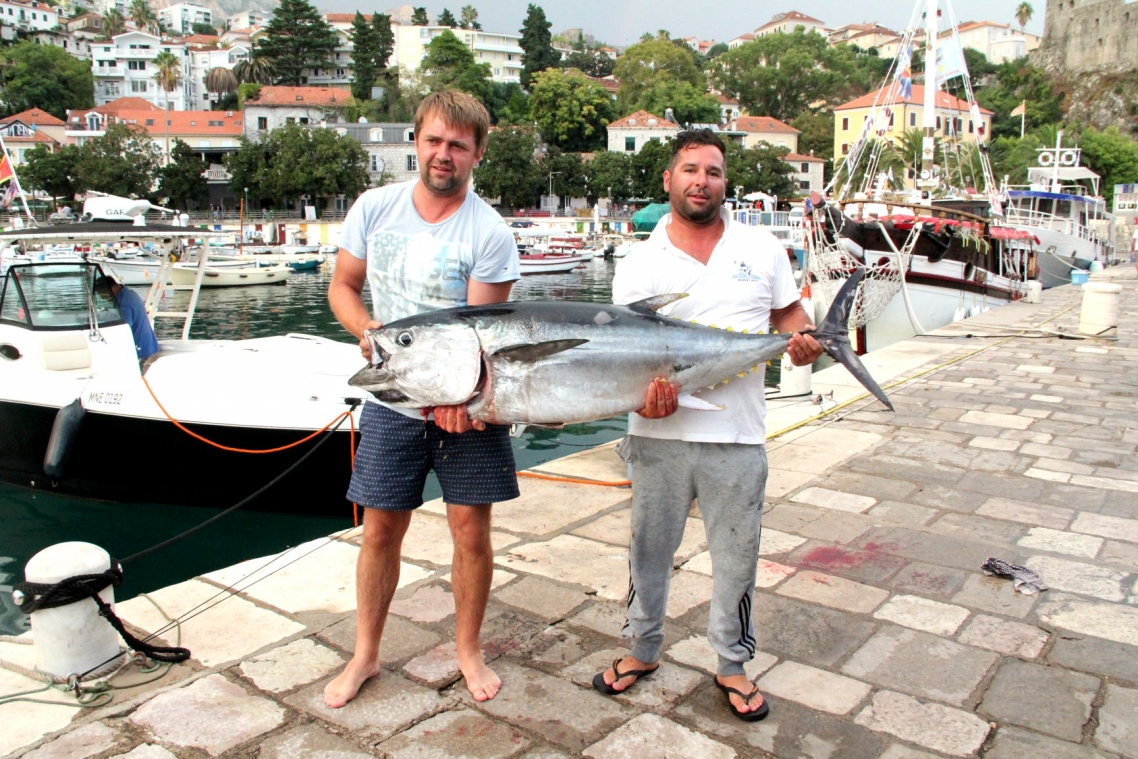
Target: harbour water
pixel 34 520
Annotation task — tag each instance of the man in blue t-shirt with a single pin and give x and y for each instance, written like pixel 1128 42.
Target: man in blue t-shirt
pixel 427 244
pixel 133 312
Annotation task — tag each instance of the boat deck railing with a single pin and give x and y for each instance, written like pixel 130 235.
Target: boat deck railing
pixel 1065 225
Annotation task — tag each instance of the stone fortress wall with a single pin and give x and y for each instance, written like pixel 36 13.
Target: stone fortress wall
pixel 1084 35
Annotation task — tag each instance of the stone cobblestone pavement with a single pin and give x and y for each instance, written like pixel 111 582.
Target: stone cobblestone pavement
pixel 878 634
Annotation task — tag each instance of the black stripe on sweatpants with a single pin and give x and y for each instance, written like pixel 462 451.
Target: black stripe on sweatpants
pixel 747 640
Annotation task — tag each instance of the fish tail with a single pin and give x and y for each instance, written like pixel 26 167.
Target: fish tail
pixel 833 336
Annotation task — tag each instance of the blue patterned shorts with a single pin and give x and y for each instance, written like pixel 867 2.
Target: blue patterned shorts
pixel 396 452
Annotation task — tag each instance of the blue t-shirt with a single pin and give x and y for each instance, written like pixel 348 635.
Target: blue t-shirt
pixel 134 313
pixel 414 266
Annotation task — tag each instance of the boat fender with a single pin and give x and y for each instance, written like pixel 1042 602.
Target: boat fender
pixel 852 248
pixel 64 432
pixel 10 352
pixel 942 240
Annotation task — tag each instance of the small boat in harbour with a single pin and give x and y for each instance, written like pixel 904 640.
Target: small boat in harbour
pixel 548 263
pixel 244 274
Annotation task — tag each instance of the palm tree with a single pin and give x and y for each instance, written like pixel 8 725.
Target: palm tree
pixel 142 15
pixel 113 23
pixel 168 76
pixel 255 70
pixel 220 80
pixel 1024 13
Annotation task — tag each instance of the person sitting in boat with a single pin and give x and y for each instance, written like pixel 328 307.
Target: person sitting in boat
pixel 133 312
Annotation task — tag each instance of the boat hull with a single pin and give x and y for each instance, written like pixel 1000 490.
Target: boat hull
pixel 1060 253
pixel 236 276
pixel 152 461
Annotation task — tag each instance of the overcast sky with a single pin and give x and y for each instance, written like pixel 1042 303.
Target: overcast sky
pixel 621 22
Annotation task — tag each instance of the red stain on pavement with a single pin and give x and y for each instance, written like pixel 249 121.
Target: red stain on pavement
pixel 831 557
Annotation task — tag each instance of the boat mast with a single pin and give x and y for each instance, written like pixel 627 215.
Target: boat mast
pixel 16 180
pixel 927 181
pixel 1055 163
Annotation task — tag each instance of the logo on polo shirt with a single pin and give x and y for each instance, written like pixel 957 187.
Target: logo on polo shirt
pixel 743 273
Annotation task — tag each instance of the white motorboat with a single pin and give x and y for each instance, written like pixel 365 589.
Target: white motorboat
pixel 71 384
pixel 548 263
pixel 231 274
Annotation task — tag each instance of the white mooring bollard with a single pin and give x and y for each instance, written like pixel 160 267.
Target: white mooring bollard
pixel 74 638
pixel 794 380
pixel 1099 313
pixel 1034 292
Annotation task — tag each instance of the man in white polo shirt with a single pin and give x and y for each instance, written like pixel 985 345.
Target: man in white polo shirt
pixel 736 277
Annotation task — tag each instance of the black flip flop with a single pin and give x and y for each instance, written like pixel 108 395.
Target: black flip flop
pixel 600 684
pixel 752 716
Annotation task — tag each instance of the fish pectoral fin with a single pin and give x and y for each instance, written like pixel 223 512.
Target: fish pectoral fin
pixel 547 426
pixel 531 352
pixel 699 404
pixel 656 302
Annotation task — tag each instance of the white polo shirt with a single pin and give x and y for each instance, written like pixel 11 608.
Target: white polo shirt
pixel 747 275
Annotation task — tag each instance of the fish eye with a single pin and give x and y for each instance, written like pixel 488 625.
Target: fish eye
pixel 404 339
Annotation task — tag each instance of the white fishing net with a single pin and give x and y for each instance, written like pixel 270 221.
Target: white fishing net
pixel 833 263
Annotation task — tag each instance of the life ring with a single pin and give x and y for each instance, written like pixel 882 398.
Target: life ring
pixel 1068 158
pixel 1046 158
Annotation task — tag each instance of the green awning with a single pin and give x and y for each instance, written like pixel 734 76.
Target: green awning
pixel 645 219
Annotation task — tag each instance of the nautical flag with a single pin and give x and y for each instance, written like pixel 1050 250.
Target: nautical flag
pixel 1020 109
pixel 6 171
pixel 950 60
pixel 8 195
pixel 904 74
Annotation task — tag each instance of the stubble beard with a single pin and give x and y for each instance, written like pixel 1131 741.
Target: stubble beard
pixel 694 215
pixel 443 187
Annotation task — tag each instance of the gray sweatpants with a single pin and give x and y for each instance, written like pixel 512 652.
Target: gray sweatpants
pixel 729 481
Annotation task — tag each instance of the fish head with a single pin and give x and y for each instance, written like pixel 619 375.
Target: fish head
pixel 422 365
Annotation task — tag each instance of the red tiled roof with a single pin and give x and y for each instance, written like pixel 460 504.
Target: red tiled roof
pixel 641 119
pixel 609 84
pixel 35 137
pixel 917 97
pixel 724 100
pixel 789 16
pixel 763 124
pixel 33 116
pixel 113 108
pixel 185 122
pixel 799 158
pixel 344 18
pixel 307 95
pixel 203 39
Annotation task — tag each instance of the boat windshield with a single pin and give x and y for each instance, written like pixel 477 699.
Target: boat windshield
pixel 56 297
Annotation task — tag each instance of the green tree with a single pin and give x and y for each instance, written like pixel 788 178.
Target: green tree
pixel 649 64
pixel 221 80
pixel 364 52
pixel 446 18
pixel 114 23
pixel 200 28
pixel 646 171
pixel 608 174
pixel 168 77
pixel 297 37
pixel 50 172
pixel 537 44
pixel 143 16
pixel 719 48
pixel 760 168
pixel 294 162
pixel 1114 156
pixel 689 105
pixel 419 17
pixel 508 170
pixel 817 137
pixel 451 65
pixel 257 70
pixel 124 161
pixel 567 172
pixel 1024 12
pixel 1016 82
pixel 469 18
pixel 592 62
pixel 182 180
pixel 571 111
pixel 508 103
pixel 384 40
pixel 781 75
pixel 47 77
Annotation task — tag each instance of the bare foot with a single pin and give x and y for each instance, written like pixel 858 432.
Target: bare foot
pixel 752 703
pixel 345 687
pixel 482 682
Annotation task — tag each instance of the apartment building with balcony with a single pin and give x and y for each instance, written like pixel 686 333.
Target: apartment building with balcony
pixel 181 17
pixel 28 130
pixel 205 59
pixel 502 51
pixel 276 106
pixel 124 67
pixel 28 17
pixel 390 148
pixel 249 18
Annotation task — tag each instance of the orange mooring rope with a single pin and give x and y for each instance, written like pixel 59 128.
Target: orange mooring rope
pixel 579 481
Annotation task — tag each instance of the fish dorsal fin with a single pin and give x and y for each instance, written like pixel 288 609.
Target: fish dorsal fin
pixel 656 302
pixel 531 352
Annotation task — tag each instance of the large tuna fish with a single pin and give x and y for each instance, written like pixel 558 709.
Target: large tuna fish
pixel 551 363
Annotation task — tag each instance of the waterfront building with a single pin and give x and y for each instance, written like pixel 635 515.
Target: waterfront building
pixel 729 109
pixel 30 129
pixel 502 51
pixel 124 67
pixel 808 172
pixel 28 16
pixel 390 148
pixel 786 23
pixel 758 129
pixel 276 106
pixel 998 42
pixel 953 119
pixel 205 59
pixel 181 17
pixel 633 132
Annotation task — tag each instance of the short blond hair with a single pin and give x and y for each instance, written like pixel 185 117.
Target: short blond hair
pixel 457 109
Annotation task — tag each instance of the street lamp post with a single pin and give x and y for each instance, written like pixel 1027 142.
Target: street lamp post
pixel 551 190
